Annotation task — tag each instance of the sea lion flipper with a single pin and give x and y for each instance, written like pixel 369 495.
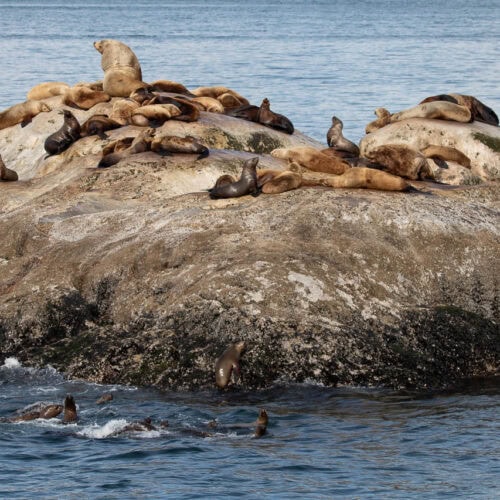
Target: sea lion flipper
pixel 25 122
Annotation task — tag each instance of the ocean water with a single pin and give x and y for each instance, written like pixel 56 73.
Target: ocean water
pixel 312 59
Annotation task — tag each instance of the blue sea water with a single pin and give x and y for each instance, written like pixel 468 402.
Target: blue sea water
pixel 312 59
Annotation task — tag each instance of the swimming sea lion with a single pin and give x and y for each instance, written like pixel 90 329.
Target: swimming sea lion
pixel 22 113
pixel 105 398
pixel 122 71
pixel 167 144
pixel 84 97
pixel 97 125
pixel 34 411
pixel 209 104
pixel 278 181
pixel 273 120
pixel 154 115
pixel 262 421
pixel 62 139
pixel 246 184
pixel 47 89
pixel 336 140
pixel 6 174
pixel 139 144
pixel 312 159
pixel 401 160
pixel 445 153
pixel 227 366
pixel 70 414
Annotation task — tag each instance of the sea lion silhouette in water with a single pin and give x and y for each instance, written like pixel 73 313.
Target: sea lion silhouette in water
pixel 273 120
pixel 336 140
pixel 262 421
pixel 61 140
pixel 70 414
pixel 6 174
pixel 46 411
pixel 246 184
pixel 227 366
pixel 105 398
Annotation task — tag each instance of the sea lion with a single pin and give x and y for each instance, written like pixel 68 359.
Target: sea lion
pixel 140 144
pixel 218 91
pixel 122 110
pixel 383 119
pixel 122 71
pixel 312 159
pixel 34 411
pixel 142 96
pixel 278 181
pixel 6 174
pixel 105 398
pixel 479 111
pixel 247 112
pixel 261 424
pixel 70 414
pixel 273 120
pixel 401 160
pixel 224 180
pixel 47 89
pixel 22 113
pixel 117 145
pixel 84 97
pixel 62 139
pixel 154 115
pixel 246 184
pixel 97 125
pixel 168 144
pixel 189 111
pixel 445 153
pixel 336 140
pixel 227 366
pixel 170 86
pixel 209 104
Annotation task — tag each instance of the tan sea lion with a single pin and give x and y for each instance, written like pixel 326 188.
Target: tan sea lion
pixel 278 181
pixel 170 86
pixel 84 97
pixel 383 119
pixel 218 91
pixel 97 125
pixel 209 104
pixel 61 140
pixel 140 144
pixel 47 89
pixel 6 174
pixel 227 366
pixel 105 398
pixel 336 140
pixel 168 144
pixel 246 184
pixel 122 71
pixel 445 153
pixel 273 120
pixel 189 111
pixel 122 110
pixel 312 159
pixel 117 145
pixel 401 160
pixel 154 115
pixel 70 414
pixel 22 113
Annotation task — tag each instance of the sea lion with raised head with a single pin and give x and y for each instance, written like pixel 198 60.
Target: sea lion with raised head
pixel 122 71
pixel 227 366
pixel 22 113
pixel 6 174
pixel 61 140
pixel 336 140
pixel 169 144
pixel 70 414
pixel 97 125
pixel 312 159
pixel 47 89
pixel 246 184
pixel 261 424
pixel 273 120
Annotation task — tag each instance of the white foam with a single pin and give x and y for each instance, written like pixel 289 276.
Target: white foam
pixel 103 431
pixel 11 363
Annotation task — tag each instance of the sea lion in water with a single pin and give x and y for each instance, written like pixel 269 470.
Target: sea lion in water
pixel 70 414
pixel 34 411
pixel 62 139
pixel 336 140
pixel 47 89
pixel 273 120
pixel 261 424
pixel 6 174
pixel 105 398
pixel 168 144
pixel 84 96
pixel 97 125
pixel 246 184
pixel 122 71
pixel 227 366
pixel 312 159
pixel 444 153
pixel 139 144
pixel 22 113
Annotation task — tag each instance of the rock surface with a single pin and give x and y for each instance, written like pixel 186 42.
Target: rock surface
pixel 133 275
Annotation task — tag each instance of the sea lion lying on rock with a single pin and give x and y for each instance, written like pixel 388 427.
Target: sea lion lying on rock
pixel 278 181
pixel 312 159
pixel 246 184
pixel 47 89
pixel 97 125
pixel 227 97
pixel 154 115
pixel 273 120
pixel 139 144
pixel 22 113
pixel 169 144
pixel 83 96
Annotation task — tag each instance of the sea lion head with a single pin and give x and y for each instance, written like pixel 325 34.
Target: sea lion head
pixel 337 121
pixel 99 46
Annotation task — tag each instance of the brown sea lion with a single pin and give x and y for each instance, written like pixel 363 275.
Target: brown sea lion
pixel 84 97
pixel 168 144
pixel 34 411
pixel 47 89
pixel 246 184
pixel 383 119
pixel 170 86
pixel 261 424
pixel 401 160
pixel 247 112
pixel 139 144
pixel 70 414
pixel 209 104
pixel 105 398
pixel 278 181
pixel 61 140
pixel 336 140
pixel 122 110
pixel 445 153
pixel 117 145
pixel 97 125
pixel 312 159
pixel 479 111
pixel 273 120
pixel 142 96
pixel 189 111
pixel 224 179
pixel 6 174
pixel 227 366
pixel 122 71
pixel 154 115
pixel 22 113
